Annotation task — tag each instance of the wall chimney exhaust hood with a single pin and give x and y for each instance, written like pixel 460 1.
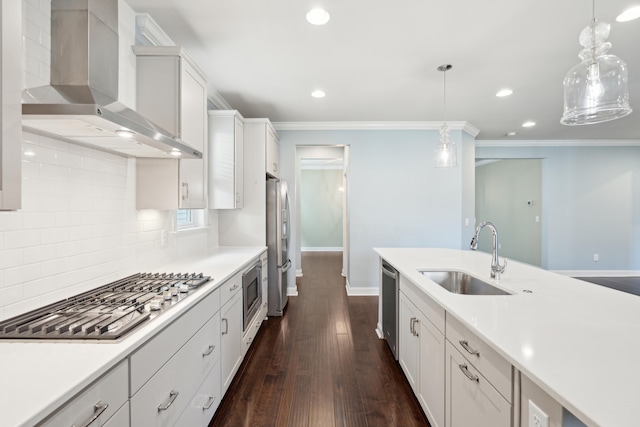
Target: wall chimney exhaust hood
pixel 81 104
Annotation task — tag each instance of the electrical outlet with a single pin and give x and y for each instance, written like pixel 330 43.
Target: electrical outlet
pixel 596 257
pixel 537 418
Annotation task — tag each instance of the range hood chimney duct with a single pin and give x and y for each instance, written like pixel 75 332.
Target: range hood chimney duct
pixel 81 105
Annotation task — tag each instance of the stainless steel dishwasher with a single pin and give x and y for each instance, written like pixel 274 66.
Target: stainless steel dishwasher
pixel 390 300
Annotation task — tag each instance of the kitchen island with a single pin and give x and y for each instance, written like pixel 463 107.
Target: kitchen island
pixel 574 340
pixel 39 376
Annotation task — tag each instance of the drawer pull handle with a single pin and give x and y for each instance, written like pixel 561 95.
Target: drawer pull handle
pixel 411 325
pixel 209 350
pixel 209 403
pixel 468 374
pixel 98 409
pixel 470 350
pixel 234 287
pixel 172 396
pixel 226 326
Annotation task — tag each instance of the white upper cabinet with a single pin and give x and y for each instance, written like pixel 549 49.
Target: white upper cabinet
pixel 172 92
pixel 273 153
pixel 226 159
pixel 11 108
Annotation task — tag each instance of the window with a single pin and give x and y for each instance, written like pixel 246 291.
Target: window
pixel 189 218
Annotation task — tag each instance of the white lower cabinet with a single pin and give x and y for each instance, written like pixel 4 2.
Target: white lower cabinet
pixel 230 339
pixel 471 399
pixel 97 404
pixel 421 357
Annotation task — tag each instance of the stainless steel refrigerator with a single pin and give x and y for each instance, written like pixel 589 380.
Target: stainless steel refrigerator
pixel 278 245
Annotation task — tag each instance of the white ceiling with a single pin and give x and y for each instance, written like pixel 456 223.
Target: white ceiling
pixel 377 59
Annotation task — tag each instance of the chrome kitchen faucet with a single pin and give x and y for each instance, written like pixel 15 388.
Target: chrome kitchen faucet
pixel 496 268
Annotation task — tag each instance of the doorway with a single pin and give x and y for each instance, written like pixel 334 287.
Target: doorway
pixel 322 189
pixel 509 194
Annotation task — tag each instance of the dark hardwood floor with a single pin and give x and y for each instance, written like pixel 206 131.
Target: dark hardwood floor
pixel 321 364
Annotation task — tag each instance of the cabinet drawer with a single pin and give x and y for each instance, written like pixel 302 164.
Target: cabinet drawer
pixel 204 402
pixel 251 332
pixel 163 398
pixel 110 390
pixel 494 367
pixel 120 419
pixel 431 310
pixel 471 399
pixel 146 361
pixel 229 288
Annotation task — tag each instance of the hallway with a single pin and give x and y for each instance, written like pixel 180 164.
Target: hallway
pixel 321 364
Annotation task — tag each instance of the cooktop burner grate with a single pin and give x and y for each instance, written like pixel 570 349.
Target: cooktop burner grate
pixel 107 312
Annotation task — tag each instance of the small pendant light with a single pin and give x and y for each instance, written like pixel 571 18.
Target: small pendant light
pixel 595 90
pixel 446 154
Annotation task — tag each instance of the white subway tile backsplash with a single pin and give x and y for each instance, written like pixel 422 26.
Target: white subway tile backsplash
pixel 38 220
pixel 24 273
pixel 40 253
pixel 11 221
pixel 11 258
pixel 21 239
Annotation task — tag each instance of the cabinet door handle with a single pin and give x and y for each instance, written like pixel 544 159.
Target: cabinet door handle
pixel 172 396
pixel 465 370
pixel 185 191
pixel 411 325
pixel 98 409
pixel 209 403
pixel 209 350
pixel 234 287
pixel 415 331
pixel 275 167
pixel 226 326
pixel 470 350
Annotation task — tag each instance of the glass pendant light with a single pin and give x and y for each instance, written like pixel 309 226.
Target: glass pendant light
pixel 595 90
pixel 446 155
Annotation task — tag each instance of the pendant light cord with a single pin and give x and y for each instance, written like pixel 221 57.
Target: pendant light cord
pixel 593 32
pixel 444 96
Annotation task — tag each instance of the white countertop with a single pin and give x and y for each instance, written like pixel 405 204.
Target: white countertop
pixel 578 341
pixel 39 376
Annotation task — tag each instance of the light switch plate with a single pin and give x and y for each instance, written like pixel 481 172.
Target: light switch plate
pixel 537 418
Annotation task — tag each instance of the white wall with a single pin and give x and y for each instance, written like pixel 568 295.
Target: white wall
pixel 397 197
pixel 591 203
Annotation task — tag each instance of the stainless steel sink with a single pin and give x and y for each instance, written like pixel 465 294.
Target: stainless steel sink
pixel 458 282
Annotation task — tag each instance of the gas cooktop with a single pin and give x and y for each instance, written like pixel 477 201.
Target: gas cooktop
pixel 107 312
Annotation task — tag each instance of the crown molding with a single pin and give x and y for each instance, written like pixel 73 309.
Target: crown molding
pixel 151 32
pixel 217 100
pixel 396 125
pixel 560 143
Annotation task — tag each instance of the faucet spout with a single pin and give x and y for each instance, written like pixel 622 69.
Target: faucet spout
pixel 496 268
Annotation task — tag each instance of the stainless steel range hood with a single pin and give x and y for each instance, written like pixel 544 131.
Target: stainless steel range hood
pixel 81 104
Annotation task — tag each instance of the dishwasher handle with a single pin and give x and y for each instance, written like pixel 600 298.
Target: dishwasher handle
pixel 389 271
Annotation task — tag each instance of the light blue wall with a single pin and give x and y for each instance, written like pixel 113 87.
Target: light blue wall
pixel 591 204
pixel 397 197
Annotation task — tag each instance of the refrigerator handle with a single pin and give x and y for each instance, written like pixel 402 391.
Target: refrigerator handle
pixel 286 266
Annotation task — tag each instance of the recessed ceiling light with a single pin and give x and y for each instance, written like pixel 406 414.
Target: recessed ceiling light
pixel 318 94
pixel 318 16
pixel 629 14
pixel 528 124
pixel 504 92
pixel 511 134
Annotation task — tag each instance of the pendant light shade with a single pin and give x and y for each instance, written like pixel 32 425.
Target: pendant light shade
pixel 446 153
pixel 596 90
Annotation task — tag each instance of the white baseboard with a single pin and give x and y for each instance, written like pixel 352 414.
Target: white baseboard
pixel 321 249
pixel 360 292
pixel 299 272
pixel 598 273
pixel 379 332
pixel 292 291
